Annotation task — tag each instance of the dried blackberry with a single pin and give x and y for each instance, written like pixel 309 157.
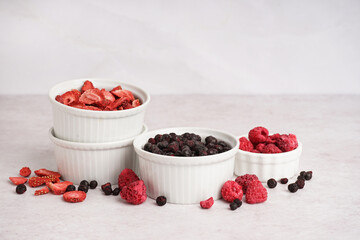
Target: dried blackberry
pixel 284 181
pixel 300 183
pixel 308 175
pixel 161 200
pixel 93 184
pixel 20 189
pixel 233 206
pixel 271 183
pixel 83 188
pixel 238 202
pixel 70 188
pixel 293 187
pixel 84 182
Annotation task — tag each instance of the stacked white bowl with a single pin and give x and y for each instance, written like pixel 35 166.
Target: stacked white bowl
pixel 95 145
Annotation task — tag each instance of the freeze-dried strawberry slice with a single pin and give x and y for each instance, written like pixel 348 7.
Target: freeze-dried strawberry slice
pixel 18 180
pixel 77 94
pixel 74 196
pixel 92 96
pixel 91 108
pixel 108 98
pixel 116 104
pixel 42 191
pixel 59 99
pixel 123 94
pixel 77 105
pixel 58 188
pixel 87 85
pixel 44 172
pixel 69 97
pixel 136 103
pixel 38 181
pixel 25 172
pixel 115 90
pixel 126 105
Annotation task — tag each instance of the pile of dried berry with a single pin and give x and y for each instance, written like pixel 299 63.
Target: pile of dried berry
pixel 91 98
pixel 261 142
pixel 293 187
pixel 185 145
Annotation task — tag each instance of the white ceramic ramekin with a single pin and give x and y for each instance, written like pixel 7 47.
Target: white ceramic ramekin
pixel 102 162
pixel 266 166
pixel 79 125
pixel 186 180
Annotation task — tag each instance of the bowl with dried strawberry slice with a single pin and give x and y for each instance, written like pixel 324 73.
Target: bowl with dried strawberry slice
pixel 97 110
pixel 268 155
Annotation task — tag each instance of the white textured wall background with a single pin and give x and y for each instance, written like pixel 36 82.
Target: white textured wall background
pixel 245 47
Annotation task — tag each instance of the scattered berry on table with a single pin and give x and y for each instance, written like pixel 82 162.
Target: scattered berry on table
pixel 85 183
pixel 293 187
pixel 70 188
pixel 83 188
pixel 134 193
pixel 271 183
pixel 18 180
pixel 42 191
pixel 74 196
pixel 38 181
pixel 231 190
pixel 245 180
pixel 25 172
pixel 44 172
pixel 256 193
pixel 238 202
pixel 20 189
pixel 116 191
pixel 107 190
pixel 300 183
pixel 308 175
pixel 206 204
pixel 161 201
pixel 127 176
pixel 58 188
pixel 93 184
pixel 300 177
pixel 233 206
pixel 105 185
pixel 302 173
pixel 284 181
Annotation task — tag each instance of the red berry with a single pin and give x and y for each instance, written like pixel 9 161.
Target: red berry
pixel 231 190
pixel 25 172
pixel 74 196
pixel 271 148
pixel 260 147
pixel 287 143
pixel 92 96
pixel 87 85
pixel 38 181
pixel 134 193
pixel 245 144
pixel 207 203
pixel 58 188
pixel 127 176
pixel 45 172
pixel 256 193
pixel 42 191
pixel 258 135
pixel 245 180
pixel 136 103
pixel 18 180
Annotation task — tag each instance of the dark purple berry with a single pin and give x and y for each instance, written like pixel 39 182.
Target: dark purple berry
pixel 300 177
pixel 152 141
pixel 116 191
pixel 271 183
pixel 203 152
pixel 284 181
pixel 93 184
pixel 105 185
pixel 20 189
pixel 158 138
pixel 173 147
pixel 238 202
pixel 308 175
pixel 226 149
pixel 219 148
pixel 210 139
pixel 300 183
pixel 302 173
pixel 107 190
pixel 84 182
pixel 147 147
pixel 161 200
pixel 186 153
pixel 163 144
pixel 190 143
pixel 166 137
pixel 233 206
pixel 83 188
pixel 222 143
pixel 212 151
pixel 293 187
pixel 186 135
pixel 70 188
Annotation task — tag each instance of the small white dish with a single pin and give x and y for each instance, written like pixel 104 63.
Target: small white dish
pixel 266 166
pixel 79 125
pixel 102 162
pixel 186 180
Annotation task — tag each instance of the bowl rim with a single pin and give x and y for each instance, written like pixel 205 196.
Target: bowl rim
pixel 53 92
pixel 272 155
pixel 93 146
pixel 175 160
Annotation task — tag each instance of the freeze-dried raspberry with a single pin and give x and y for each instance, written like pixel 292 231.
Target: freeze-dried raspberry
pixel 127 176
pixel 256 193
pixel 245 144
pixel 134 193
pixel 272 138
pixel 258 135
pixel 260 147
pixel 271 148
pixel 231 190
pixel 255 151
pixel 287 143
pixel 207 203
pixel 245 180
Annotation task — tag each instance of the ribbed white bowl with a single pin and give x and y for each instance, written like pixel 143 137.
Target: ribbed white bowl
pixel 102 162
pixel 266 166
pixel 79 125
pixel 186 180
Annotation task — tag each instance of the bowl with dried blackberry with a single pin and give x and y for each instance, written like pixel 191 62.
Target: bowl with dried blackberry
pixel 185 164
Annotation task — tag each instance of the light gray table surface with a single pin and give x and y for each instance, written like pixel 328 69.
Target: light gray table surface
pixel 327 208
